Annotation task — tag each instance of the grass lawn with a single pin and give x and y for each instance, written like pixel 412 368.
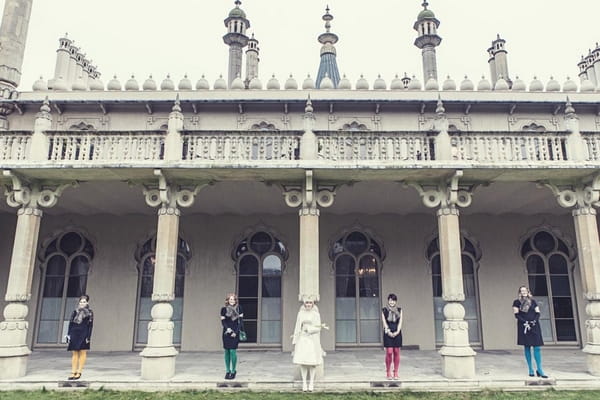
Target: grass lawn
pixel 224 395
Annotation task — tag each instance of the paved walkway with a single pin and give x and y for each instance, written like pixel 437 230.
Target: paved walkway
pixel 344 371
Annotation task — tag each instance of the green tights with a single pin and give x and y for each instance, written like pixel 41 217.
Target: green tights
pixel 230 360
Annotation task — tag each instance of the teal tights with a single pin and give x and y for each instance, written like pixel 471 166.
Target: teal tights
pixel 537 354
pixel 230 360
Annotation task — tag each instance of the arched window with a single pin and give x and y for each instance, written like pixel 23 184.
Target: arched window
pixel 549 260
pixel 146 259
pixel 470 263
pixel 66 261
pixel 259 261
pixel 357 260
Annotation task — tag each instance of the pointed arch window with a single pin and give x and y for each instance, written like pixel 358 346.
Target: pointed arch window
pixel 66 261
pixel 259 262
pixel 357 260
pixel 470 256
pixel 548 260
pixel 146 259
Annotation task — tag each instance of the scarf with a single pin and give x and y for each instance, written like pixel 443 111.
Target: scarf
pixel 82 313
pixel 393 313
pixel 232 312
pixel 525 303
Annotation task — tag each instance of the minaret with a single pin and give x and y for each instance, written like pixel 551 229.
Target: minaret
pixel 252 60
pixel 328 63
pixel 500 60
pixel 427 40
pixel 236 24
pixel 13 35
pixel 589 69
pixel 492 63
pixel 63 56
pixel 596 55
pixel 582 65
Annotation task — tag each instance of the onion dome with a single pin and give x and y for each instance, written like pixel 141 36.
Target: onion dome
pixel 536 85
pixel 184 83
pixel 237 84
pixel 149 84
pixel 467 84
pixel 415 84
pixel 345 83
pixel 326 82
pixel 167 84
pixel 202 84
pixel 449 84
pixel 237 12
pixel 255 84
pixel 132 84
pixel 379 84
pixel 308 83
pixel 432 84
pixel 291 83
pixel 587 86
pixel 484 84
pixel 114 84
pixel 362 84
pixel 553 85
pixel 220 84
pixel 397 83
pixel 96 84
pixel 40 85
pixel 60 84
pixel 569 85
pixel 273 83
pixel 79 85
pixel 519 85
pixel 425 13
pixel 501 84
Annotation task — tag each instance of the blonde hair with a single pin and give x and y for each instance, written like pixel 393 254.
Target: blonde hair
pixel 230 295
pixel 528 291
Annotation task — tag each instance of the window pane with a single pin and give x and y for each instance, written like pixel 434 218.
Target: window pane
pixel 177 304
pixel 177 332
pixel 79 266
pixel 356 243
pixel 526 248
pixel 51 308
pixel 439 332
pixel 48 332
pixel 250 307
pixel 77 285
pixel 147 286
pixel 437 285
pixel 473 330
pixel 369 331
pixel 261 243
pixel 544 242
pixel 271 266
pixel 369 286
pixel 179 285
pixel 560 285
pixel 538 285
pixel 469 285
pixel 149 265
pixel 563 307
pixel 56 265
pixel 565 330
pixel 345 331
pixel 70 243
pixel 248 286
pixel 438 308
pixel 344 265
pixel 546 330
pixel 369 308
pixel 345 308
pixel 144 313
pixel 436 266
pixel 374 248
pixel 180 267
pixel 433 247
pixel 54 287
pixel 271 286
pixel 271 309
pixel 562 247
pixel 558 264
pixel 142 332
pixel 345 286
pixel 249 265
pixel 469 248
pixel 270 331
pixel 544 308
pixel 470 305
pixel 535 264
pixel 250 328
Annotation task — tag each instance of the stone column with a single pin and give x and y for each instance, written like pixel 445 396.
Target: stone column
pixel 13 37
pixel 39 142
pixel 308 142
pixel 584 197
pixel 443 144
pixel 458 358
pixel 30 197
pixel 173 142
pixel 158 357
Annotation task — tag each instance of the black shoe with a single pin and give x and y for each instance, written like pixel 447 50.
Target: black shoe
pixel 232 375
pixel 71 377
pixel 77 376
pixel 541 375
pixel 531 374
pixel 228 375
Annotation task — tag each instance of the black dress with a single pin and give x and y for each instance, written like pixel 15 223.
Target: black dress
pixel 391 341
pixel 80 334
pixel 230 342
pixel 533 336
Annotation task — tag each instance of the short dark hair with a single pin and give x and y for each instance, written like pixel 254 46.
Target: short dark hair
pixel 392 296
pixel 86 297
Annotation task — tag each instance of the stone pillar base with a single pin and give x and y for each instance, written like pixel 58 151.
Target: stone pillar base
pixel 158 368
pixel 13 367
pixel 458 367
pixel 593 364
pixel 319 375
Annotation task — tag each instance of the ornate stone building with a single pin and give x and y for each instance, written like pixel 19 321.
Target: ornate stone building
pixel 158 202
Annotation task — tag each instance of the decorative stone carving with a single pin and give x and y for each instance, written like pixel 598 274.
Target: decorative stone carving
pixel 170 196
pixel 309 196
pixel 446 195
pixel 583 196
pixel 32 195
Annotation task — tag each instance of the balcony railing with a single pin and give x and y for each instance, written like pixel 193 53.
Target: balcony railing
pixel 592 145
pixel 375 146
pixel 241 146
pixel 14 145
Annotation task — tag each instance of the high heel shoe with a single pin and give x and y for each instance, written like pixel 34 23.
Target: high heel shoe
pixel 541 375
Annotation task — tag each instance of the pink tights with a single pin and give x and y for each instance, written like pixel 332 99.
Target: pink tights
pixel 392 353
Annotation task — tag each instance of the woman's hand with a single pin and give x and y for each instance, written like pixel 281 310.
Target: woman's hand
pixel 233 334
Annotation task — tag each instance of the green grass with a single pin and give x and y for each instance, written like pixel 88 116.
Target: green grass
pixel 226 395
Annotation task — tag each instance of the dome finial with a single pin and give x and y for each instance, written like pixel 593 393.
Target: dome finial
pixel 238 3
pixel 425 4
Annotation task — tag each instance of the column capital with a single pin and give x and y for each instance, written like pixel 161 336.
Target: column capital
pixel 584 196
pixel 170 195
pixel 31 195
pixel 446 194
pixel 309 195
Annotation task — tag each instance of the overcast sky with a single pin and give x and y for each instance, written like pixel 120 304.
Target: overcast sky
pixel 544 37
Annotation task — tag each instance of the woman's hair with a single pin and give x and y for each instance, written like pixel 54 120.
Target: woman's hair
pixel 86 297
pixel 392 296
pixel 519 291
pixel 228 296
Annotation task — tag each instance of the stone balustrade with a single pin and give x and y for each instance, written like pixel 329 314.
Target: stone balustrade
pixel 592 146
pixel 14 145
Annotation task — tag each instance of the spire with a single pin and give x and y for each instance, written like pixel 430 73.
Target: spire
pixel 569 110
pixel 328 63
pixel 236 38
pixel 440 110
pixel 427 40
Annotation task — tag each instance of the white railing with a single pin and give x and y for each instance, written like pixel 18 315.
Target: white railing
pixel 377 146
pixel 106 146
pixel 14 145
pixel 241 146
pixel 592 145
pixel 509 146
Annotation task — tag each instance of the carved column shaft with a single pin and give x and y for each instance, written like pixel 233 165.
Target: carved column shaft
pixel 450 254
pixel 309 254
pixel 167 237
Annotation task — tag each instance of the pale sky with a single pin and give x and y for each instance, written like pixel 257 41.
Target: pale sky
pixel 544 37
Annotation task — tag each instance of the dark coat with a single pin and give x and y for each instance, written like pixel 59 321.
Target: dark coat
pixel 391 341
pixel 80 334
pixel 230 342
pixel 533 336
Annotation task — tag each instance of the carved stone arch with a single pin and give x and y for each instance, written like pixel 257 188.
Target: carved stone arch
pixel 354 126
pixel 55 234
pixel 248 232
pixel 82 126
pixel 556 232
pixel 263 126
pixel 464 234
pixel 355 227
pixel 532 126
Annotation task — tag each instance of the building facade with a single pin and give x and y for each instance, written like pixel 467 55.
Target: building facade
pixel 157 203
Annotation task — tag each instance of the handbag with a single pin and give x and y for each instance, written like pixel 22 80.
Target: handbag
pixel 242 336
